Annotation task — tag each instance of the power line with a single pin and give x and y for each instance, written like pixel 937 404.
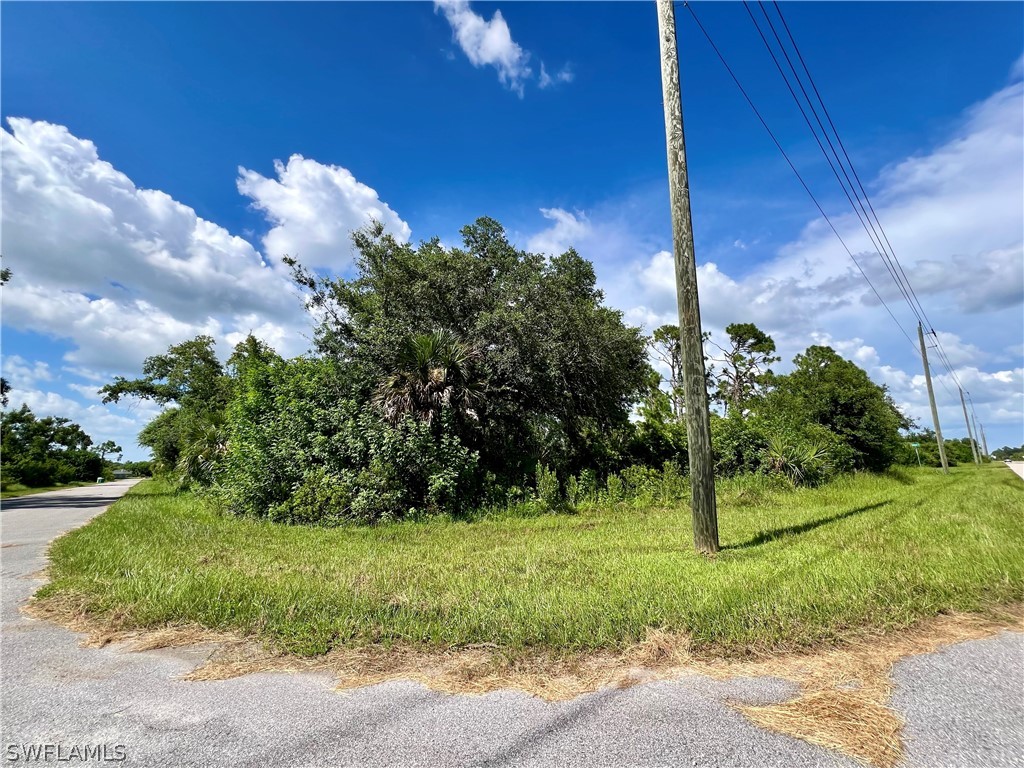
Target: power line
pixel 941 381
pixel 846 154
pixel 946 362
pixel 975 421
pixel 944 359
pixel 799 177
pixel 867 216
pixel 861 213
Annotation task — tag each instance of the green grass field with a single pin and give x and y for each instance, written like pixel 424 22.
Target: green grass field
pixel 797 568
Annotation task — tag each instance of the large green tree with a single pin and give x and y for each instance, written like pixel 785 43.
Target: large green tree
pixel 828 390
pixel 561 369
pixel 190 379
pixel 42 451
pixel 108 446
pixel 188 375
pixel 743 368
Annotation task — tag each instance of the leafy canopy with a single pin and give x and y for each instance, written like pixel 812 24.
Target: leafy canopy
pixel 832 392
pixel 743 366
pixel 188 374
pixel 560 369
pixel 42 451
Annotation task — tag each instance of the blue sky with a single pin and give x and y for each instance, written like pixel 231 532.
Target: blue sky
pixel 160 158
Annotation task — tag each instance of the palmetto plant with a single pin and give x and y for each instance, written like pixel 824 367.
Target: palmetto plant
pixel 434 372
pixel 198 460
pixel 802 462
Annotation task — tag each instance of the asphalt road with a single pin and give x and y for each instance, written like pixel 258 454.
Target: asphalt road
pixel 964 705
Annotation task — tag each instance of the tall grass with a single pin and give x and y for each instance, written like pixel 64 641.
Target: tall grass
pixel 797 567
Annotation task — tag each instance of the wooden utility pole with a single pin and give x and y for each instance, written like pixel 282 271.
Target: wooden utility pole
pixel 984 443
pixel 975 423
pixel 970 435
pixel 691 346
pixel 931 399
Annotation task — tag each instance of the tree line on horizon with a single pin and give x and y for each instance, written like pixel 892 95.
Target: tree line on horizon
pixel 52 450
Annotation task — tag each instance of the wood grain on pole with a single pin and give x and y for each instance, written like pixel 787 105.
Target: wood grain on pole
pixel 698 427
pixel 931 399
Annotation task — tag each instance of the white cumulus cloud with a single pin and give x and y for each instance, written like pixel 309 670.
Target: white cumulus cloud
pixel 314 208
pixel 488 43
pixel 24 374
pixel 567 231
pixel 118 271
pixel 547 80
pixel 955 216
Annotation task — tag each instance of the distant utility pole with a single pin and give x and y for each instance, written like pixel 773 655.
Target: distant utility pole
pixel 975 423
pixel 984 442
pixel 970 435
pixel 931 399
pixel 695 394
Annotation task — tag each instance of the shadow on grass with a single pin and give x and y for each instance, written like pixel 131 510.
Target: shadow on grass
pixel 795 530
pixel 899 475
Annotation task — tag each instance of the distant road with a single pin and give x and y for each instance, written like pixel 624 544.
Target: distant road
pixel 962 705
pixel 1018 467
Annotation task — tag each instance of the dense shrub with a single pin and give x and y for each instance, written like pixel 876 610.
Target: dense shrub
pixel 138 468
pixel 738 444
pixel 801 462
pixel 831 392
pixel 470 380
pixel 46 451
pixel 548 490
pixel 302 449
pixel 550 370
pixel 782 443
pixel 957 451
pixel 37 473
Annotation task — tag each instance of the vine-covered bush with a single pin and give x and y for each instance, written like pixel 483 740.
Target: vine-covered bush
pixel 303 450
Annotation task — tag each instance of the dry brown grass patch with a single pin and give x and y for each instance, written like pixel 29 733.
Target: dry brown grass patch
pixel 102 631
pixel 456 671
pixel 844 691
pixel 842 705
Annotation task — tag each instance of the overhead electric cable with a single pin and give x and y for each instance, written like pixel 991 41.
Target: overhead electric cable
pixel 944 359
pixel 849 161
pixel 872 236
pixel 942 381
pixel 863 208
pixel 799 177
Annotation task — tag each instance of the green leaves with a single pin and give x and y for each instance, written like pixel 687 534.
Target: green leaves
pixel 39 452
pixel 834 393
pixel 304 448
pixel 189 374
pixel 436 372
pixel 536 331
pixel 803 462
pixel 744 370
